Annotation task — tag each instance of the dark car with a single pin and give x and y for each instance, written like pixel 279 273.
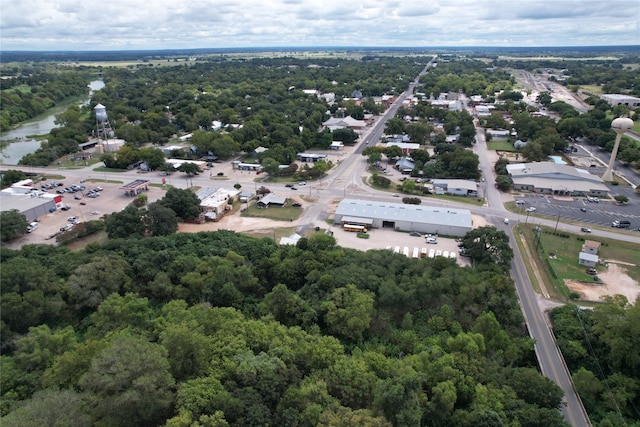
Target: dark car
pixel 288 185
pixel 415 234
pixel 583 209
pixel 585 230
pixel 220 173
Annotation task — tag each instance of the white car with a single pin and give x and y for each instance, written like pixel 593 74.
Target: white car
pixel 506 220
pixel 531 209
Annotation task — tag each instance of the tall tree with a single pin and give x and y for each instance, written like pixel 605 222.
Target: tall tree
pixel 488 245
pixel 129 384
pixel 13 224
pixel 348 312
pixel 184 203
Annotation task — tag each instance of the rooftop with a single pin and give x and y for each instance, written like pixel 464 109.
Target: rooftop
pixel 403 212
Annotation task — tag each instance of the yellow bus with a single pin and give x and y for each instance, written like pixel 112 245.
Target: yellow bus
pixel 355 228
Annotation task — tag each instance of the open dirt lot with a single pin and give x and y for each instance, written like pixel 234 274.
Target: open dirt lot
pixel 613 281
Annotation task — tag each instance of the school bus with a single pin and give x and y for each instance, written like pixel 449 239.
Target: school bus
pixel 355 228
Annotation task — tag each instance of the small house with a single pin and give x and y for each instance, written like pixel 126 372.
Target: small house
pixel 591 247
pixel 588 260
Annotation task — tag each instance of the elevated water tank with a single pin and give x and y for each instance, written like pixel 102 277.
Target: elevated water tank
pixel 101 113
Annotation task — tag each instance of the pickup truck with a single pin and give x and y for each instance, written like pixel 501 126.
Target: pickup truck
pixel 621 224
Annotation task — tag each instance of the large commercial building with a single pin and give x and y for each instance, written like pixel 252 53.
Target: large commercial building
pixel 614 99
pixel 403 217
pixel 32 205
pixel 554 178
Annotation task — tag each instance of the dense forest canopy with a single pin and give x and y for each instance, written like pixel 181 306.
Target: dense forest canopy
pixel 220 329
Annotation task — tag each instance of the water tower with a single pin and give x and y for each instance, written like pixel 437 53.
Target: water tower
pixel 619 126
pixel 102 124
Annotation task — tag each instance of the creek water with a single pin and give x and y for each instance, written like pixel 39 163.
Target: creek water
pixel 21 144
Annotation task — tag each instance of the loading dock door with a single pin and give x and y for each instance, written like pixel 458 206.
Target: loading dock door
pixel 389 224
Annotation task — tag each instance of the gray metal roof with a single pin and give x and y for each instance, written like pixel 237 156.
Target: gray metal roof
pixel 402 212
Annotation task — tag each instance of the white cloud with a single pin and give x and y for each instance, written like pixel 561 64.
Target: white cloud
pixel 162 24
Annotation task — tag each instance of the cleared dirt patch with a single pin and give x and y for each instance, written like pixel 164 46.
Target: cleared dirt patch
pixel 613 280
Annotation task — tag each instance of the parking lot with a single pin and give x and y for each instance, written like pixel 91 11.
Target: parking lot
pixel 597 211
pixel 388 238
pixel 82 208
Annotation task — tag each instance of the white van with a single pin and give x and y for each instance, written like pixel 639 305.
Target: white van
pixel 31 227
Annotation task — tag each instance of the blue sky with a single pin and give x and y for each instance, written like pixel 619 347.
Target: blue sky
pixel 170 24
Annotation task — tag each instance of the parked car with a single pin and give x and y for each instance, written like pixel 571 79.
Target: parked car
pixel 591 271
pixel 288 185
pixel 583 209
pixel 415 234
pixel 66 227
pixel 531 209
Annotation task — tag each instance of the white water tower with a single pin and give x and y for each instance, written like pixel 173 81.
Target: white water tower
pixel 102 124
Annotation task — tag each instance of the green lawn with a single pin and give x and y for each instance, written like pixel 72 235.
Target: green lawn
pixel 475 201
pixel 500 146
pixel 275 213
pixel 558 253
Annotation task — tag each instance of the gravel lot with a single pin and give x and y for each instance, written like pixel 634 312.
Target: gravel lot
pixel 382 238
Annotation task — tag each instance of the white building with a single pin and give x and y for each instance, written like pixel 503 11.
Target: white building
pixel 614 99
pixel 554 178
pixel 402 217
pixel 456 187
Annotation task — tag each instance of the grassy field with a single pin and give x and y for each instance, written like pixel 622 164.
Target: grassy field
pixel 556 256
pixel 596 89
pixel 475 201
pixel 275 213
pixel 500 146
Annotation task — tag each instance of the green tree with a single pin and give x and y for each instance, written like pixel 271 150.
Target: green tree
pixel 160 220
pixel 348 312
pixel 287 307
pixel 50 407
pixel 544 98
pixel 419 132
pixel 270 166
pixel 621 199
pixel 12 225
pixel 394 126
pixel 95 280
pixel 347 136
pixel 12 176
pixel 503 183
pixel 420 156
pixel 189 168
pixel 393 152
pixel 488 245
pixel 375 156
pixel 129 384
pixel 153 157
pixel 70 117
pixel 125 224
pixel 184 203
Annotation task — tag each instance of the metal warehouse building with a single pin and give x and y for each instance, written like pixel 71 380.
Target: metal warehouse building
pixel 424 219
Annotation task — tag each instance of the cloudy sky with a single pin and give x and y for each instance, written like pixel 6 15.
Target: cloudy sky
pixel 168 24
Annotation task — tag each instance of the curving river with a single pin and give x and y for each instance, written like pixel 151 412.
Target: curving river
pixel 12 153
